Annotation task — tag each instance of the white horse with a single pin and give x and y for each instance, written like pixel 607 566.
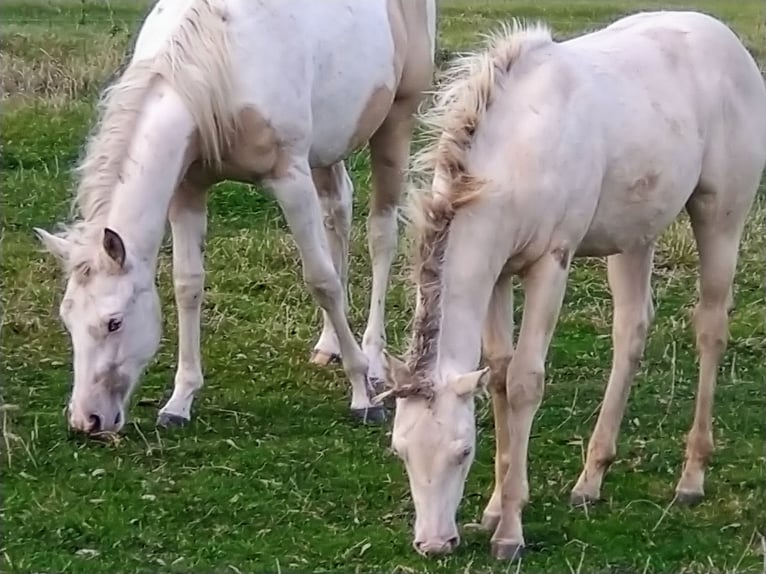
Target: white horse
pixel 277 92
pixel 544 151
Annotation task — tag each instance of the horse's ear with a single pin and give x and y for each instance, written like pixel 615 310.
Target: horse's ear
pixel 114 246
pixel 58 246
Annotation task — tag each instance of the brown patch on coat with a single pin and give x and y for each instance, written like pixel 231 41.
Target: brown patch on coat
pixel 641 188
pixel 255 151
pixel 375 111
pixel 562 255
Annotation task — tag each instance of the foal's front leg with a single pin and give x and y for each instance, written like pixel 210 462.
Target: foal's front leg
pixel 300 204
pixel 544 285
pixel 188 221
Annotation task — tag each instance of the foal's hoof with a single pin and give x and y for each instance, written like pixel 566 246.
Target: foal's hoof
pixel 323 359
pixel 370 415
pixel 507 550
pixel 170 420
pixel 689 497
pixel 580 499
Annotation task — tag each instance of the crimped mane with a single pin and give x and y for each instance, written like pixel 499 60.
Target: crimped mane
pixel 196 62
pixel 442 181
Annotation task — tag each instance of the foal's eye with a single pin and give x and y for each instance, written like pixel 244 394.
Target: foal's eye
pixel 113 325
pixel 465 453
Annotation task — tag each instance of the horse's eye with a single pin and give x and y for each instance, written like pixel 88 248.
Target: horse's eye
pixel 113 325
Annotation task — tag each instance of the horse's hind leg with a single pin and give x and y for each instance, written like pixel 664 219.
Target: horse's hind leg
pixel 188 223
pixel 717 221
pixel 630 282
pixel 389 150
pixel 335 191
pixel 297 196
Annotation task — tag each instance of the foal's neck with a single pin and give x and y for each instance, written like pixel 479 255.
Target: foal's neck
pixel 155 164
pixel 467 278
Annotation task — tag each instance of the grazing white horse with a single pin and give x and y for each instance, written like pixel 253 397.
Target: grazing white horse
pixel 544 151
pixel 278 92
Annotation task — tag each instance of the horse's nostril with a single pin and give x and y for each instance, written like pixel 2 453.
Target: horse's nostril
pixel 95 423
pixel 453 542
pixel 117 419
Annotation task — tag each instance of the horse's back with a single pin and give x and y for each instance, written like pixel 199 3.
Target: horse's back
pixel 322 74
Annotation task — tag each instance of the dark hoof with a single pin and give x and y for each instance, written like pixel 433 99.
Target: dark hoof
pixel 323 359
pixel 507 550
pixel 578 499
pixel 370 415
pixel 170 420
pixel 689 498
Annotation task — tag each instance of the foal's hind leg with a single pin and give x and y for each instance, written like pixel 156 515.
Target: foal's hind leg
pixel 629 280
pixel 335 191
pixel 188 222
pixel 717 223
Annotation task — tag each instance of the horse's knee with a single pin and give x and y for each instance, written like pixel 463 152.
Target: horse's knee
pixel 324 286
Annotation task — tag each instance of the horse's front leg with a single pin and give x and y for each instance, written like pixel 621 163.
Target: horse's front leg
pixel 335 191
pixel 188 221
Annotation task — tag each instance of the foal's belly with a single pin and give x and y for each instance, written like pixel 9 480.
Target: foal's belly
pixel 634 215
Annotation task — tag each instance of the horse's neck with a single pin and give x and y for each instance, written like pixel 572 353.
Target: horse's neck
pixel 150 173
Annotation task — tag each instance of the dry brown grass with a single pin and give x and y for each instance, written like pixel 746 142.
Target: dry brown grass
pixel 57 67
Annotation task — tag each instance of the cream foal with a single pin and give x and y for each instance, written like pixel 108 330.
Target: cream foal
pixel 544 151
pixel 277 92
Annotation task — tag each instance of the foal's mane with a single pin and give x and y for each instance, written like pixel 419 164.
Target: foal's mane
pixel 195 61
pixel 443 182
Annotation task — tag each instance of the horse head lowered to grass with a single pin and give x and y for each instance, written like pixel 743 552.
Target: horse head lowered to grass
pixel 275 92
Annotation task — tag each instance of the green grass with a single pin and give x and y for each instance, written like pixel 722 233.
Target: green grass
pixel 271 476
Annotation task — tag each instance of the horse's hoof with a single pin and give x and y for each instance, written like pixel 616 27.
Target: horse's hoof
pixel 580 499
pixel 507 550
pixel 323 359
pixel 689 497
pixel 170 420
pixel 370 415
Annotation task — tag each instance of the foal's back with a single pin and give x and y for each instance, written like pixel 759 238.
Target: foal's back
pixel 605 137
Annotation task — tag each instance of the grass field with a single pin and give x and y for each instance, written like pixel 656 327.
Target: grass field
pixel 271 475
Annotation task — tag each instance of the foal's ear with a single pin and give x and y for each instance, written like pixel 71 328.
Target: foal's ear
pixel 397 371
pixel 114 246
pixel 58 246
pixel 472 383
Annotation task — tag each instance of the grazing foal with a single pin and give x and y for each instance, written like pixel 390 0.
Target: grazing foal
pixel 277 92
pixel 544 151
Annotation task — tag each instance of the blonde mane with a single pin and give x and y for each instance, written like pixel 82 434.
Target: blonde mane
pixel 195 61
pixel 442 181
